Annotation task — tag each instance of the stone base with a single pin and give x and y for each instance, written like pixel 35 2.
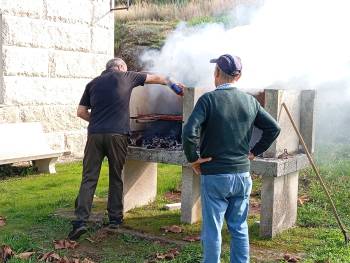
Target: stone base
pixel 46 165
pixel 279 196
pixel 190 196
pixel 140 183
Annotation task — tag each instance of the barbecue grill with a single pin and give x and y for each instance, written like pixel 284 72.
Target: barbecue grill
pixel 280 175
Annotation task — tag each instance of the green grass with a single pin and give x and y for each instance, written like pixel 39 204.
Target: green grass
pixel 29 203
pixel 223 19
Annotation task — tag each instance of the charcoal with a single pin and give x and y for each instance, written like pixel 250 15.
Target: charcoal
pixel 158 142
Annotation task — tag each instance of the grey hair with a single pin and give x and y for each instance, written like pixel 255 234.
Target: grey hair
pixel 114 62
pixel 227 77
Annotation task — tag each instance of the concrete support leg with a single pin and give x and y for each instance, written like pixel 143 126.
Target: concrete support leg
pixel 140 183
pixel 46 165
pixel 279 196
pixel 190 196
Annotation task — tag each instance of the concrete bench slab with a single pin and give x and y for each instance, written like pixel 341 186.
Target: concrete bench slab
pixel 21 142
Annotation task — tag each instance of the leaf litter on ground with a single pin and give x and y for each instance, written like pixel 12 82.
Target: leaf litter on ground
pixel 303 199
pixel 169 255
pixel 25 255
pixel 2 221
pixel 55 258
pixel 6 253
pixel 65 244
pixel 290 258
pixel 192 238
pixel 173 229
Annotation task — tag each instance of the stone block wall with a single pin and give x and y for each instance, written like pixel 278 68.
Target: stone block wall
pixel 49 51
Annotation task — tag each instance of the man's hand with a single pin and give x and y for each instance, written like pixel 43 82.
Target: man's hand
pixel 251 156
pixel 196 166
pixel 179 86
pixel 159 79
pixel 83 112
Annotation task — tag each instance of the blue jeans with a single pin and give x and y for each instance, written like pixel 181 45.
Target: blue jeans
pixel 225 196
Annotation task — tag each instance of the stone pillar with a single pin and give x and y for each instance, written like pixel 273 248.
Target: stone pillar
pixel 287 139
pixel 190 193
pixel 279 196
pixel 307 118
pixel 2 91
pixel 46 165
pixel 140 183
pixel 190 196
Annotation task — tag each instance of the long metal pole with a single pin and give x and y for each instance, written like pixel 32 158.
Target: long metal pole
pixel 345 233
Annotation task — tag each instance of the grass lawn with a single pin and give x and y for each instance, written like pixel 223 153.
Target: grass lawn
pixel 29 202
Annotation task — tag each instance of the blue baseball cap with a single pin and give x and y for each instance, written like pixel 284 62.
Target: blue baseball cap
pixel 231 65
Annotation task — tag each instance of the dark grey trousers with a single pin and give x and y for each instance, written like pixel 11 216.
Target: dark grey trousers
pixel 98 146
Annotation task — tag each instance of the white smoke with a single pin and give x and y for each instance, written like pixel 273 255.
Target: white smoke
pixel 294 43
pixel 285 40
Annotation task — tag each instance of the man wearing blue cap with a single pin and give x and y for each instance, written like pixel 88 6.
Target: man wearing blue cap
pixel 222 122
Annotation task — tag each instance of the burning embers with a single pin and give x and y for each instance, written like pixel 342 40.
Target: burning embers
pixel 160 131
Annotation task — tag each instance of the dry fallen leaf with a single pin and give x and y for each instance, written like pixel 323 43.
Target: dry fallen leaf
pixel 5 253
pixel 87 260
pixel 192 238
pixel 65 244
pixel 303 199
pixel 65 260
pixel 170 255
pixel 160 256
pixel 25 255
pixel 2 221
pixel 50 257
pixel 291 259
pixel 100 235
pixel 172 229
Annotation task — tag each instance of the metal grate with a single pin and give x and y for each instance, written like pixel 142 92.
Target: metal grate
pixel 157 117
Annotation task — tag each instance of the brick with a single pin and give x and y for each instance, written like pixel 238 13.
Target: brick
pixel 20 90
pixel 32 8
pixel 53 117
pixel 9 114
pixel 102 41
pixel 78 64
pixel 74 37
pixel 34 36
pixel 45 34
pixel 56 140
pixel 70 11
pixel 25 61
pixel 75 142
pixel 102 16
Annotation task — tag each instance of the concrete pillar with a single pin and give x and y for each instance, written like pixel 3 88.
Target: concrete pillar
pixel 140 183
pixel 190 196
pixel 307 118
pixel 287 139
pixel 279 196
pixel 2 91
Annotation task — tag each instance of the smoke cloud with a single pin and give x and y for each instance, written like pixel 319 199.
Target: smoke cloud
pixel 291 43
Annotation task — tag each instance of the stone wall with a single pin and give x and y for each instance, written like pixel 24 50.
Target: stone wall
pixel 49 51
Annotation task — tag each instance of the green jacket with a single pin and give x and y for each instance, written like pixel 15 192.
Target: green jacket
pixel 221 124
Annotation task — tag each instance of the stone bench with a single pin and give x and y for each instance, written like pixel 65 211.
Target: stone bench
pixel 21 142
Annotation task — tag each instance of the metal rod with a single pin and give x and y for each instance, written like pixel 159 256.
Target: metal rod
pixel 341 225
pixel 119 8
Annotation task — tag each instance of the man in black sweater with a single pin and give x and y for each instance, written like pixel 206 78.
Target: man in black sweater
pixel 222 123
pixel 105 105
